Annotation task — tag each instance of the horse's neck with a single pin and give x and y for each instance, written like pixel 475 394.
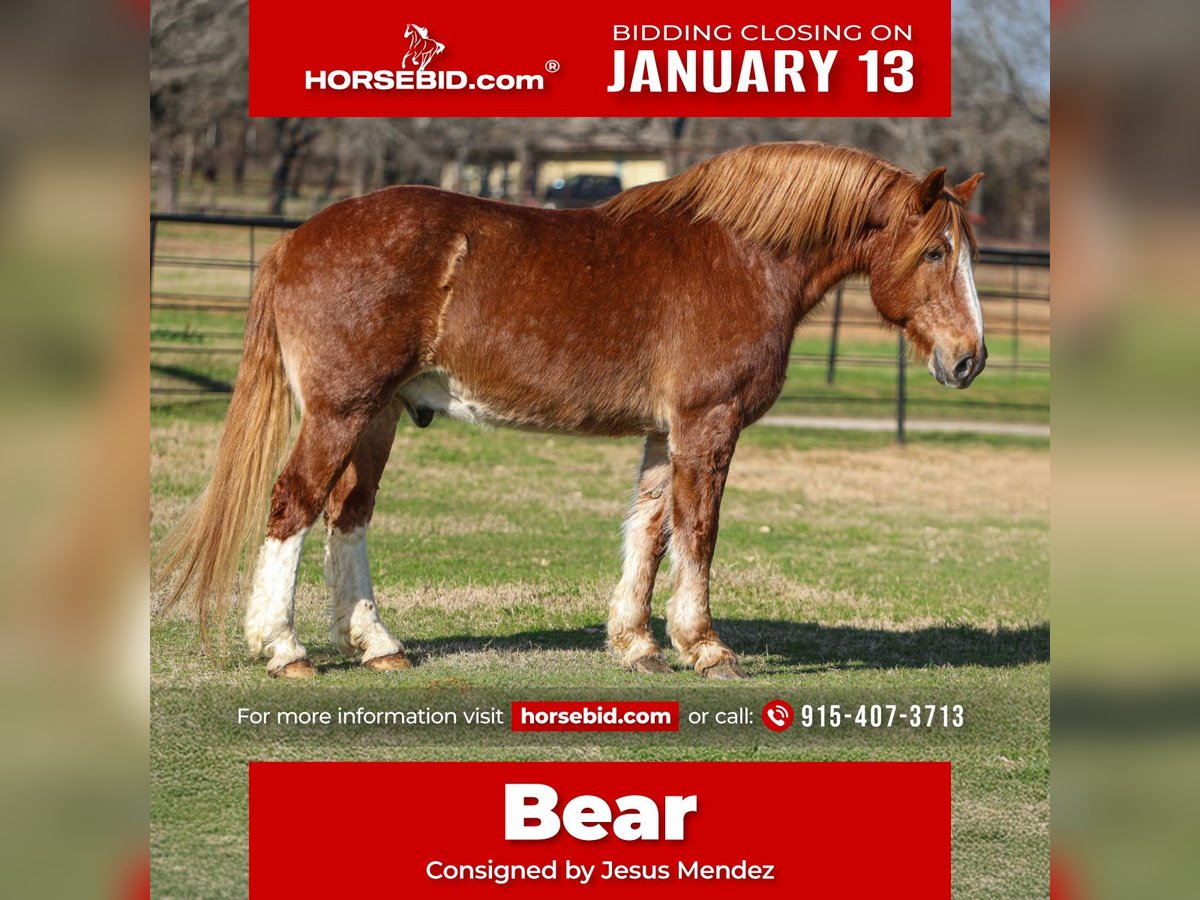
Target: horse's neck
pixel 810 275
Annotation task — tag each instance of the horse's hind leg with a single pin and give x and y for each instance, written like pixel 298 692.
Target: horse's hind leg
pixel 646 528
pixel 701 450
pixel 321 453
pixel 355 626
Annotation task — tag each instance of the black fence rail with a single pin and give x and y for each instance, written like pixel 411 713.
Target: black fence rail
pixel 202 267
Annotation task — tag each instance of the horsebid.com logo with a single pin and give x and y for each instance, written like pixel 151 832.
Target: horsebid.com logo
pixel 421 47
pixel 413 74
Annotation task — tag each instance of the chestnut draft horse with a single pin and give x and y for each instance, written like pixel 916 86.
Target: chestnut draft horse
pixel 667 313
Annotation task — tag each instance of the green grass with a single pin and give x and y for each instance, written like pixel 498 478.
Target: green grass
pixel 848 571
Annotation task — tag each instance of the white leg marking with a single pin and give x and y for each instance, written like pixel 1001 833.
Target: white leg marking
pixel 689 622
pixel 967 272
pixel 627 615
pixel 356 626
pixel 685 611
pixel 270 613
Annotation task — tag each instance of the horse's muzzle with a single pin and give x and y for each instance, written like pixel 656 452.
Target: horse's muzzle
pixel 965 369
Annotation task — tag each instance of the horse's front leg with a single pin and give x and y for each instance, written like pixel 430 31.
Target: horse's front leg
pixel 702 446
pixel 646 529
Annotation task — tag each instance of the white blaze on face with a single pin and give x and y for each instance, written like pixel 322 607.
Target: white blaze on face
pixel 966 272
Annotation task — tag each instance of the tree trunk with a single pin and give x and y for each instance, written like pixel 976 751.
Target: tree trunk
pixel 527 175
pixel 240 150
pixel 674 153
pixel 485 178
pixel 460 163
pixel 279 182
pixel 292 137
pixel 505 181
pixel 189 159
pixel 166 168
pixel 362 175
pixel 296 180
pixel 331 178
pixel 390 168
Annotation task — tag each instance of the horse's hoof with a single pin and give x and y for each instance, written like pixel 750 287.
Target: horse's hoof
pixel 299 668
pixel 390 663
pixel 650 664
pixel 726 668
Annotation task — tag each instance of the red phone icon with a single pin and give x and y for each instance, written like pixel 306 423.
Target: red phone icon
pixel 777 715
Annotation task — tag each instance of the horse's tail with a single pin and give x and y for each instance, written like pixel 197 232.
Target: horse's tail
pixel 204 550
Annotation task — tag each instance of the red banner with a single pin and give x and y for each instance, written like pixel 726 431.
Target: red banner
pixel 695 830
pixel 700 58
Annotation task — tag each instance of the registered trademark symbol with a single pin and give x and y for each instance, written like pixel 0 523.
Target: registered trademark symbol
pixel 552 65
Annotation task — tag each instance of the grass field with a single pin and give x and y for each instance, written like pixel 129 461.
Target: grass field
pixel 849 571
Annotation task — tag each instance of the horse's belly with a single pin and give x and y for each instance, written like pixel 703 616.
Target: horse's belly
pixel 438 392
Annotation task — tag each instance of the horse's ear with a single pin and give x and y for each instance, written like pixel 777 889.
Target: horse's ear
pixel 931 189
pixel 965 191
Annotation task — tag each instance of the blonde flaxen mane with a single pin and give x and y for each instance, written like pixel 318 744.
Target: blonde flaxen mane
pixel 795 196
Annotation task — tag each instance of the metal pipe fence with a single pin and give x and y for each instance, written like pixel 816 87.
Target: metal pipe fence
pixel 202 271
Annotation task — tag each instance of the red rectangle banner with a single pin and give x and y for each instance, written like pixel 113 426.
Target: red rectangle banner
pixel 695 830
pixel 606 715
pixel 701 58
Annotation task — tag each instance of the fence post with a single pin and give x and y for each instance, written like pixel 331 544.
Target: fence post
pixel 1016 323
pixel 901 363
pixel 833 334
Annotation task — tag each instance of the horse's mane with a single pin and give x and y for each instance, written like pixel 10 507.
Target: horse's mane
pixel 422 32
pixel 793 196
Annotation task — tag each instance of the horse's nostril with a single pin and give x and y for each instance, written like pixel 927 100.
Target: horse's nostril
pixel 962 368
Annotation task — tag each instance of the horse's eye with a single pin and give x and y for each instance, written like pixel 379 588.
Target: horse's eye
pixel 936 255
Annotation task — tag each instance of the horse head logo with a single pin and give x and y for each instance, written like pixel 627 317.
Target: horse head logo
pixel 421 47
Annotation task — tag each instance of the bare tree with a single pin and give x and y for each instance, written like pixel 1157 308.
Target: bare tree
pixel 1015 36
pixel 198 60
pixel 291 138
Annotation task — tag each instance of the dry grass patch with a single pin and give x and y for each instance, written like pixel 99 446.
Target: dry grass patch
pixel 183 450
pixel 953 483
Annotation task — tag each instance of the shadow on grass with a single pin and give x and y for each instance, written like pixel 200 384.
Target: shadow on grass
pixel 769 646
pixel 801 644
pixel 196 379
